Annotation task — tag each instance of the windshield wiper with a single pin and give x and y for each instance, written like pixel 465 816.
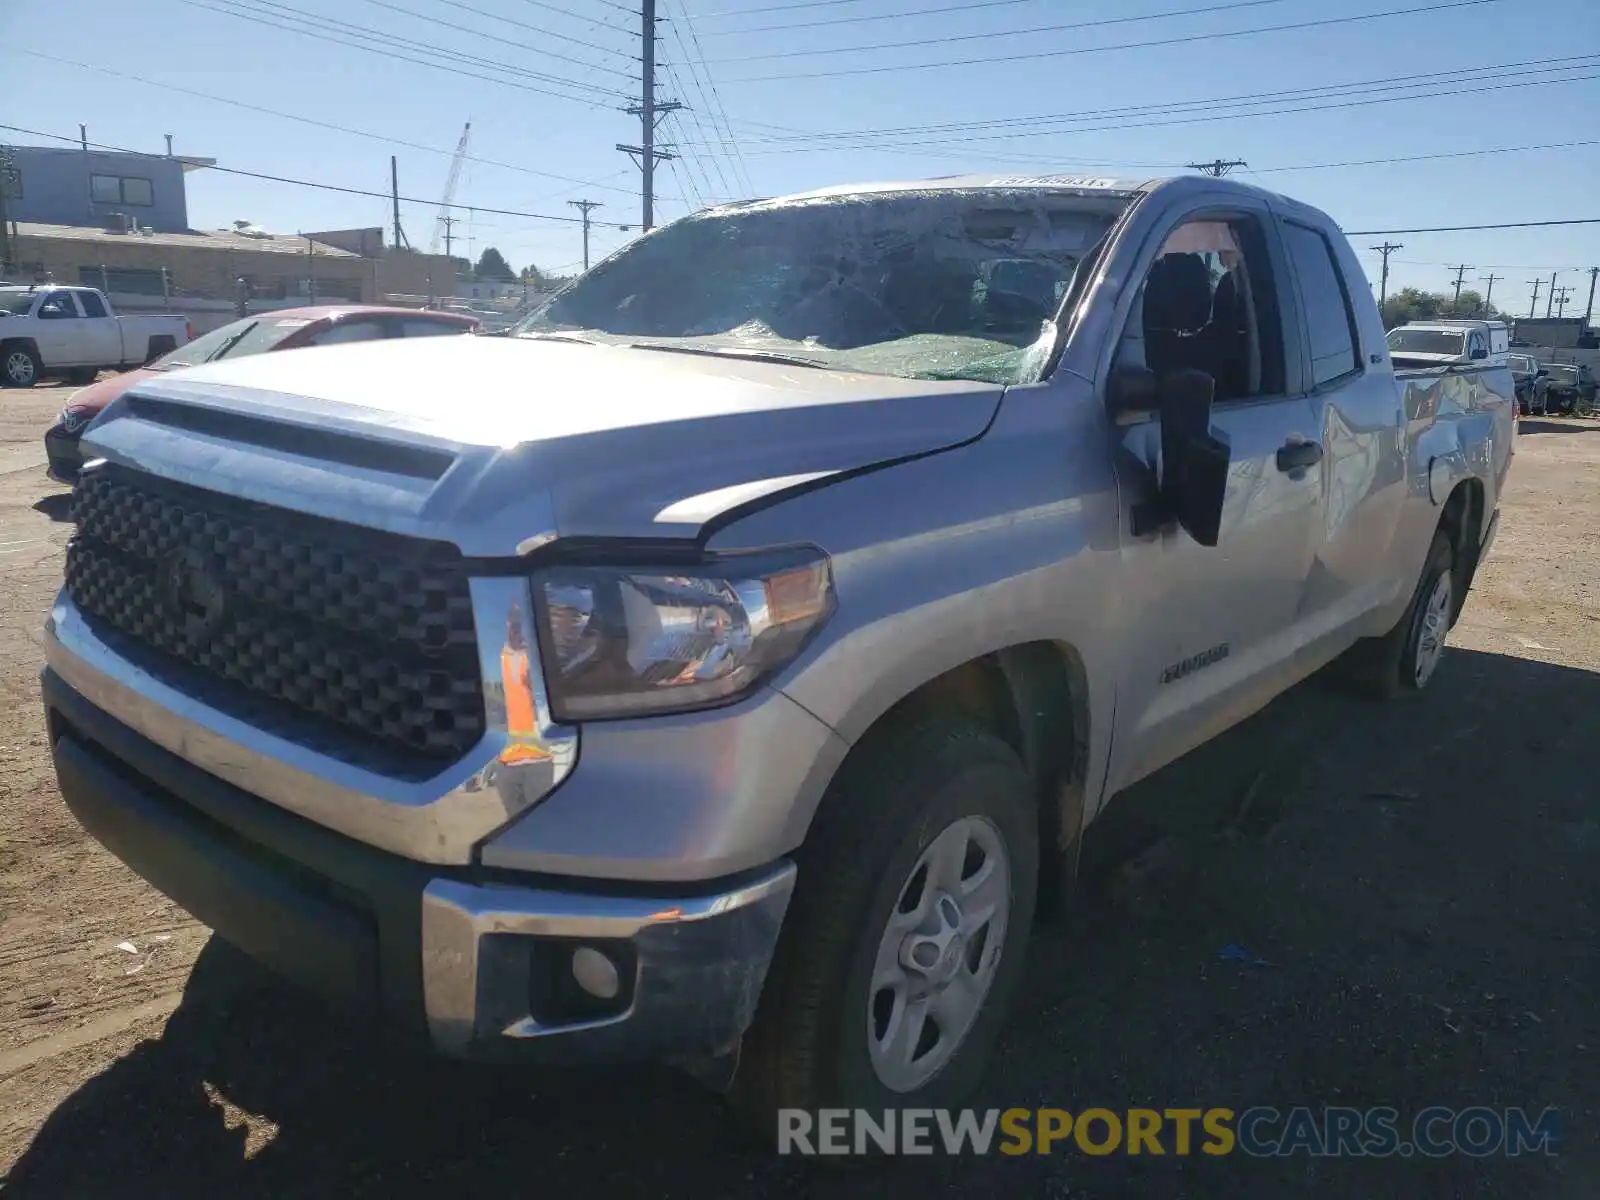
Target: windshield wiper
pixel 769 356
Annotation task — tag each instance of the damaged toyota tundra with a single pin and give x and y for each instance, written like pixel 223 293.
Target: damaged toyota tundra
pixel 722 668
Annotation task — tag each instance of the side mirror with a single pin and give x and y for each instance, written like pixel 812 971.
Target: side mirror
pixel 1132 389
pixel 1194 462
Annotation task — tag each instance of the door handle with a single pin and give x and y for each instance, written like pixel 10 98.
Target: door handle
pixel 1295 456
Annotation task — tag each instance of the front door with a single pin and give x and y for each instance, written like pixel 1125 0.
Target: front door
pixel 58 330
pixel 1211 631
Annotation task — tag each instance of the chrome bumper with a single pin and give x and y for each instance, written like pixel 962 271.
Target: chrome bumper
pixel 438 820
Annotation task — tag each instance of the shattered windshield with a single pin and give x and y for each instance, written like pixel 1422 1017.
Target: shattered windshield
pixel 922 285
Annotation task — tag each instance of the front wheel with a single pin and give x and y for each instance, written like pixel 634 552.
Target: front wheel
pixel 20 366
pixel 906 935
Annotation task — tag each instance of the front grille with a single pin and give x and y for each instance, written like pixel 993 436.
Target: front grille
pixel 361 643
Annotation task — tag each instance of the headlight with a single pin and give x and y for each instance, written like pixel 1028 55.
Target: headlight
pixel 631 641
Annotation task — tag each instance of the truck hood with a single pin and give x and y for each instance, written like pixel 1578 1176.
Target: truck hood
pixel 499 445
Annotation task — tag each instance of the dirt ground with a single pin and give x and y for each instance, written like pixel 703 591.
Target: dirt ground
pixel 1422 878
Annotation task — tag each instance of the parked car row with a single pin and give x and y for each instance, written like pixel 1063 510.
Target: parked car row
pixel 284 329
pixel 1545 388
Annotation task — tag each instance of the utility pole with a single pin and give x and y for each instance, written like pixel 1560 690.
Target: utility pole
pixel 311 270
pixel 1561 300
pixel 88 176
pixel 1488 295
pixel 1588 316
pixel 1534 303
pixel 449 224
pixel 394 196
pixel 169 145
pixel 8 180
pixel 651 112
pixel 586 207
pixel 1217 167
pixel 1550 296
pixel 1461 274
pixel 1386 249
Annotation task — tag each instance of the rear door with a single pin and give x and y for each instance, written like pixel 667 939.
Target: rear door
pixel 1212 630
pixel 1357 412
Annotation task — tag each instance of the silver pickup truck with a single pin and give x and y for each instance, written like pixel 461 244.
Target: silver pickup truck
pixel 717 669
pixel 73 333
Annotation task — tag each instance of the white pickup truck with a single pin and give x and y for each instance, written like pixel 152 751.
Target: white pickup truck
pixel 72 332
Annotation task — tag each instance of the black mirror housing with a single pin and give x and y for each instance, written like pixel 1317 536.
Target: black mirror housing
pixel 1194 461
pixel 1132 389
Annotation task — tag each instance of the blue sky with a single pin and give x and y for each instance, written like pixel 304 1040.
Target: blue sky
pixel 551 148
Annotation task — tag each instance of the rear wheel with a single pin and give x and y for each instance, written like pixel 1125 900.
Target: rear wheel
pixel 906 935
pixel 82 376
pixel 159 346
pixel 1405 659
pixel 20 365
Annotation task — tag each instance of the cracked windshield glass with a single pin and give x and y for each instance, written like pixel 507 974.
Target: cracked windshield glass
pixel 926 285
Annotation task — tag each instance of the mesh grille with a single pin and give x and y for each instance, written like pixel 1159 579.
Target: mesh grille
pixel 365 632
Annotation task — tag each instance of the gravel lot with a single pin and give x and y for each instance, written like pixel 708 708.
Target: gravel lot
pixel 1424 880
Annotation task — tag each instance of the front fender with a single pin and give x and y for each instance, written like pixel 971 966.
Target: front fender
pixel 1007 541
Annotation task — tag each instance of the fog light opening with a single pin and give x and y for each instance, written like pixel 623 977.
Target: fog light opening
pixel 595 973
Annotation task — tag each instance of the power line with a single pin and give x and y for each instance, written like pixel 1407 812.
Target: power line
pixel 1319 23
pixel 989 34
pixel 1472 228
pixel 717 110
pixel 889 16
pixel 550 33
pixel 327 187
pixel 319 124
pixel 1032 121
pixel 1202 112
pixel 689 145
pixel 1405 158
pixel 382 53
pixel 350 29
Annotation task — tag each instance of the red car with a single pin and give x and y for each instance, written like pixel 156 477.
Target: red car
pixel 285 329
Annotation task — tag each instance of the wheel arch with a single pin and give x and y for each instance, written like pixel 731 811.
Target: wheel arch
pixel 1463 521
pixel 1034 696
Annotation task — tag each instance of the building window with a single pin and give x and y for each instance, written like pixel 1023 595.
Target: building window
pixel 120 280
pixel 121 189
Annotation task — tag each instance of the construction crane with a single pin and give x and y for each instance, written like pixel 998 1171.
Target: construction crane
pixel 441 227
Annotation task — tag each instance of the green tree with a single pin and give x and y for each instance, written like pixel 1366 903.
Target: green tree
pixel 492 265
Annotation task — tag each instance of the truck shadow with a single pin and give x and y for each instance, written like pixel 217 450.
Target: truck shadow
pixel 1387 874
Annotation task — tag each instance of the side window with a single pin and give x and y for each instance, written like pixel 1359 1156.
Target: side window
pixel 349 331
pixel 105 189
pixel 411 327
pixel 136 190
pixel 57 306
pixel 1476 346
pixel 1329 320
pixel 92 306
pixel 1209 303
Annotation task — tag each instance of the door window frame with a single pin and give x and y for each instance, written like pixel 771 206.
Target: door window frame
pixel 1358 352
pixel 72 304
pixel 1285 289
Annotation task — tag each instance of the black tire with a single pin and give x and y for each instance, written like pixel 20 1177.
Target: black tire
pixel 20 365
pixel 1387 667
pixel 82 376
pixel 808 1047
pixel 159 346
